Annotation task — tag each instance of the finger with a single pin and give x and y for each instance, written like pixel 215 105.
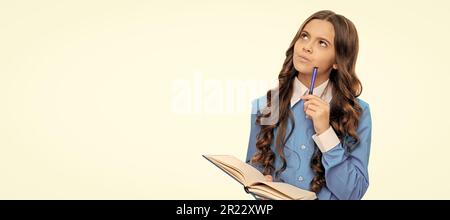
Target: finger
pixel 316 100
pixel 319 100
pixel 307 97
pixel 310 113
pixel 307 104
pixel 312 103
pixel 312 97
pixel 313 108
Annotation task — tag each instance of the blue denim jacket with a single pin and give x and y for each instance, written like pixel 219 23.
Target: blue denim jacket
pixel 346 174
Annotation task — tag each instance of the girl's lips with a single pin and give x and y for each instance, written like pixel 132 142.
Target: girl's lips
pixel 304 59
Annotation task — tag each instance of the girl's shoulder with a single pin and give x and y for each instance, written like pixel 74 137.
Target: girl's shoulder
pixel 364 105
pixel 258 104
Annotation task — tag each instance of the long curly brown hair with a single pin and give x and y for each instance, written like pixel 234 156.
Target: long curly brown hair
pixel 345 110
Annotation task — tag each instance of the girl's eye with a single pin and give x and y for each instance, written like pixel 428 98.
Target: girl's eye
pixel 304 36
pixel 323 43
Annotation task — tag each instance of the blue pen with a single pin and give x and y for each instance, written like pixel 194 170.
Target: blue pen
pixel 313 78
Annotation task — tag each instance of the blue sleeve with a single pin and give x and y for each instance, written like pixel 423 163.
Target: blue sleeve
pixel 346 173
pixel 254 130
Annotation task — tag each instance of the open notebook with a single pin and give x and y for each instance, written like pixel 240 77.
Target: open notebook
pixel 255 182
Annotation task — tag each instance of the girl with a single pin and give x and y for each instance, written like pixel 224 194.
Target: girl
pixel 319 142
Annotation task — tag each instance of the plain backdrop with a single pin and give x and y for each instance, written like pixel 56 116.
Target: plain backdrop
pixel 119 99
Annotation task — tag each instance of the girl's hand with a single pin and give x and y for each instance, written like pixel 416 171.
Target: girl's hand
pixel 319 111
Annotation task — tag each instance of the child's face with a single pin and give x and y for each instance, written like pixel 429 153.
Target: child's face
pixel 316 43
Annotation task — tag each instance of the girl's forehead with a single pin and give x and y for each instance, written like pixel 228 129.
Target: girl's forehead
pixel 320 28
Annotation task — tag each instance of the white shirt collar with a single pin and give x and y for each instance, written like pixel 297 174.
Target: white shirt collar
pixel 300 89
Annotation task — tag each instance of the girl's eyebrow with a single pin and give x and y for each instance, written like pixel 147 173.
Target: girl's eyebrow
pixel 322 38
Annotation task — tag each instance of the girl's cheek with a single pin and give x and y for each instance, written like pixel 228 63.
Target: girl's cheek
pixel 297 46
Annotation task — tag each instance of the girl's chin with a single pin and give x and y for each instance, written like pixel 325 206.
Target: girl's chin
pixel 303 69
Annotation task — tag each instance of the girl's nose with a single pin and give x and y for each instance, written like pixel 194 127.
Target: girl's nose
pixel 307 48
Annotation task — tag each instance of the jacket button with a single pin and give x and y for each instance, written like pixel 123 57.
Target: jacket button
pixel 300 178
pixel 303 147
